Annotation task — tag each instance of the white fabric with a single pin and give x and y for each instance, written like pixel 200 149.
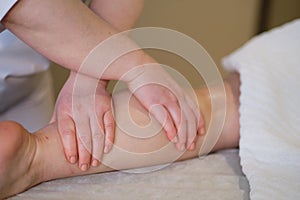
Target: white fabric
pixel 19 63
pixel 213 177
pixel 25 87
pixel 269 67
pixel 33 111
pixel 5 7
pixel 17 58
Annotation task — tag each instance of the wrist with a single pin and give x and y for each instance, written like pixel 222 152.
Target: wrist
pixel 127 64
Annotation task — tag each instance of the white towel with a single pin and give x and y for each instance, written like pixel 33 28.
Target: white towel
pixel 269 67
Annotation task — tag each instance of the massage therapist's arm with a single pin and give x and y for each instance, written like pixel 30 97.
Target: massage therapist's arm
pixel 65 32
pixel 119 13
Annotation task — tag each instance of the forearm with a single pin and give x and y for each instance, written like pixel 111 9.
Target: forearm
pixel 65 32
pixel 119 13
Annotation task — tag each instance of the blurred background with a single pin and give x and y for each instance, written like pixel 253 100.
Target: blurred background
pixel 219 26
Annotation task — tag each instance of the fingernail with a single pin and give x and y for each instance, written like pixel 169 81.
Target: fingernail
pixel 95 163
pixel 72 159
pixel 84 167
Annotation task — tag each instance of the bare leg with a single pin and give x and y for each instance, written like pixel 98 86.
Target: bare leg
pixel 27 160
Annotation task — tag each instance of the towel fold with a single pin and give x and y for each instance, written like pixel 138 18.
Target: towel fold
pixel 269 67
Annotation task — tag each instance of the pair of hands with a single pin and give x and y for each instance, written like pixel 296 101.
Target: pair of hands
pixel 87 137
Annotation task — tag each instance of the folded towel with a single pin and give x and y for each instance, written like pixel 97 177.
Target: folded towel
pixel 269 67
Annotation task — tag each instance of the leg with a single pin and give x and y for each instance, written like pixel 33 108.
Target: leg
pixel 42 155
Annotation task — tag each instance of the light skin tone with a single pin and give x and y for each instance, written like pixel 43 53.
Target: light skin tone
pixel 66 32
pixel 112 12
pixel 41 154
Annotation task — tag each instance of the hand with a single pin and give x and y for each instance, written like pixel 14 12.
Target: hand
pixel 86 131
pixel 168 103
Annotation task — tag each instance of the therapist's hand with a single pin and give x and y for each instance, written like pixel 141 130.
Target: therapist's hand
pixel 168 103
pixel 85 120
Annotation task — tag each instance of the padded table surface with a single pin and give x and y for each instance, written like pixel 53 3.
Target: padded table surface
pixel 216 176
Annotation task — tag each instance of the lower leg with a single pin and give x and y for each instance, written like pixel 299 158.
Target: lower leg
pixel 43 159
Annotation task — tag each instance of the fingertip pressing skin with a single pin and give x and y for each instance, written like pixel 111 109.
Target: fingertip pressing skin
pixel 170 128
pixel 95 162
pixel 188 130
pixel 83 163
pixel 84 151
pixel 97 143
pixel 176 115
pixel 191 147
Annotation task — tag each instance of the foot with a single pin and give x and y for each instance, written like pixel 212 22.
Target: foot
pixel 17 152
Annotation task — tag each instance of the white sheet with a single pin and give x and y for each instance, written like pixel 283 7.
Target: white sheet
pixel 269 66
pixel 217 176
pixel 6 5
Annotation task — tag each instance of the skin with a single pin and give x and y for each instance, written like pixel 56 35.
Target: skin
pixel 66 32
pixel 28 159
pixel 121 15
pixel 55 38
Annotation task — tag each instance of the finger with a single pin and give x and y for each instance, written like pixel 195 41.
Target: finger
pixel 201 128
pixel 66 129
pixel 196 110
pixel 109 129
pixel 84 143
pixel 191 135
pixel 175 112
pixel 182 135
pixel 163 117
pixel 97 140
pixel 191 126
